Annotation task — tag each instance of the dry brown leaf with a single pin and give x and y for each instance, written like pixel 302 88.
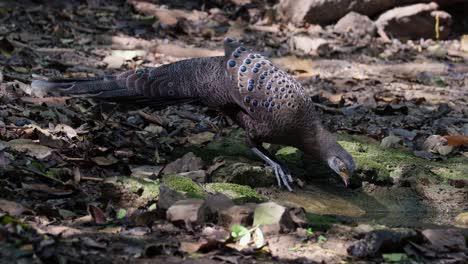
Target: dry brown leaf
pixel 12 208
pixel 97 214
pixel 457 140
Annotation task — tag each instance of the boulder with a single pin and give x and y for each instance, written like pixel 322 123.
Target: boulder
pixel 168 197
pixel 188 162
pixel 414 22
pixel 212 205
pixel 309 45
pixel 273 218
pixel 236 215
pixel 185 212
pixel 355 24
pixel 196 176
pixel 325 12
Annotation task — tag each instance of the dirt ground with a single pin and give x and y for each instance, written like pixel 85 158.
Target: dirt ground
pixel 68 192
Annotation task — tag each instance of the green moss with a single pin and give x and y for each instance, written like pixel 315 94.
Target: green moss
pixel 290 156
pixel 185 185
pixel 241 171
pixel 149 189
pixel 238 193
pixel 320 221
pixel 387 162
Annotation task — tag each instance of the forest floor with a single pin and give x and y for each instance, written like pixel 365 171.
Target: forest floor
pixel 80 180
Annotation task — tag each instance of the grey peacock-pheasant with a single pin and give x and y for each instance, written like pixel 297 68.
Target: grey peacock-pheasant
pixel 265 101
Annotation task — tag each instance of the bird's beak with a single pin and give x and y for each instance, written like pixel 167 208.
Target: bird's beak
pixel 345 176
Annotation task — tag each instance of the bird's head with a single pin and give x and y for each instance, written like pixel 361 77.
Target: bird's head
pixel 342 164
pixel 320 143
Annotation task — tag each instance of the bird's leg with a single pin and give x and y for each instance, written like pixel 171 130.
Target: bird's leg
pixel 255 129
pixel 282 175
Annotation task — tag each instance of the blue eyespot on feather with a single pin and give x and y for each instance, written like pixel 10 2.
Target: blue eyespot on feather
pixel 282 89
pixel 243 68
pixel 272 103
pixel 252 56
pixel 242 48
pixel 236 55
pixel 255 70
pixel 258 65
pixel 250 87
pixel 247 61
pixel 152 78
pixel 270 109
pixel 268 86
pixel 232 63
pixel 247 99
pixel 139 72
pixel 254 102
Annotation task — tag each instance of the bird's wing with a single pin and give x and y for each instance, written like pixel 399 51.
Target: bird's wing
pixel 263 90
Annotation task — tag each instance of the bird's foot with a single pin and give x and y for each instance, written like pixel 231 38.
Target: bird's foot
pixel 282 174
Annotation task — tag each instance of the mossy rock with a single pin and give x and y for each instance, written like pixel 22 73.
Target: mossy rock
pixel 290 156
pixel 238 193
pixel 321 221
pixel 232 144
pixel 238 170
pixel 185 185
pixel 149 190
pixel 387 163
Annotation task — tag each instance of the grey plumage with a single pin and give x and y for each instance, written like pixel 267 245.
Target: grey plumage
pixel 266 101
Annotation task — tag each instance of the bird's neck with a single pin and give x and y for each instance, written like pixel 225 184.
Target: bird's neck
pixel 319 142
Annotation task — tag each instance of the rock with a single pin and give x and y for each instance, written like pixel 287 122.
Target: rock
pixel 437 144
pixel 298 216
pixel 414 22
pixel 212 205
pixel 188 162
pixel 185 212
pixel 290 155
pixel 114 62
pixel 201 138
pixel 272 218
pixel 196 176
pixel 445 240
pixel 315 46
pixel 184 185
pixel 236 215
pixel 168 197
pixel 356 24
pixel 462 219
pixel 238 193
pixel 146 171
pixel 382 240
pixel 390 142
pixel 154 129
pixel 240 172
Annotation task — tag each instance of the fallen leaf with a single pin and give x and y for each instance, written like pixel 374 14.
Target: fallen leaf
pixel 457 140
pixel 97 214
pixel 12 208
pixel 201 138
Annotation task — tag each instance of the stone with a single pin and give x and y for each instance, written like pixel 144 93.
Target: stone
pixel 212 205
pixel 414 22
pixel 272 218
pixel 145 171
pixel 236 215
pixel 445 240
pixel 315 46
pixel 298 216
pixel 196 176
pixel 168 197
pixel 188 162
pixel 355 24
pixel 462 219
pixel 437 144
pixel 325 12
pixel 185 212
pixel 390 142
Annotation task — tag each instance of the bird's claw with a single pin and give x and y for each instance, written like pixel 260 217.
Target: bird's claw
pixel 282 176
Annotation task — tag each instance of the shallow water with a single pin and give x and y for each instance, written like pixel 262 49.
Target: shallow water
pixel 391 206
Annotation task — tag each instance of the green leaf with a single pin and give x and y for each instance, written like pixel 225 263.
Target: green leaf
pixel 238 231
pixel 321 239
pixel 152 207
pixel 309 231
pixel 121 213
pixel 395 257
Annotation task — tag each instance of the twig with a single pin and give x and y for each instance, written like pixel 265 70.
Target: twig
pixel 329 109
